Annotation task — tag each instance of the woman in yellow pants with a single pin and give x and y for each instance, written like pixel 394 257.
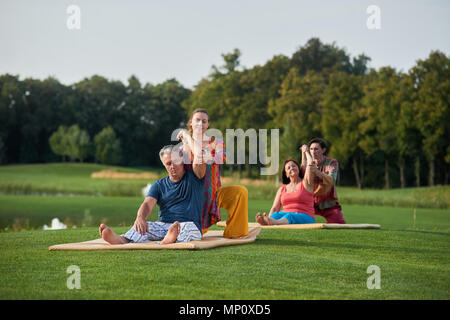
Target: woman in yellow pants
pixel 235 200
pixel 232 198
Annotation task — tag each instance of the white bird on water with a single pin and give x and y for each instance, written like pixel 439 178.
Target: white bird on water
pixel 56 225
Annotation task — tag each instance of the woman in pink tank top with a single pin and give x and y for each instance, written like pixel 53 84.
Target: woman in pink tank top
pixel 295 196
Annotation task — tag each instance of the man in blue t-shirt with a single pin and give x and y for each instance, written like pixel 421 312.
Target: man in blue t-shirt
pixel 180 198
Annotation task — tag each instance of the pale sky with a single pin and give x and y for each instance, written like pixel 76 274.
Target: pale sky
pixel 159 40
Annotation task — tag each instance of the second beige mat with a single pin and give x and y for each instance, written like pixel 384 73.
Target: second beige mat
pixel 310 226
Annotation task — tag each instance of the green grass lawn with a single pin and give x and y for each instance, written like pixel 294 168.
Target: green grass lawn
pixel 312 264
pixel 423 197
pixel 281 264
pixel 68 178
pixel 412 253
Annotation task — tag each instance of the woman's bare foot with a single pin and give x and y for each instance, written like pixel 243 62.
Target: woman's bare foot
pixel 259 218
pixel 172 233
pixel 267 219
pixel 110 236
pixel 263 220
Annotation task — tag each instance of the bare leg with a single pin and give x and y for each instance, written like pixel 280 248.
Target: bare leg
pixel 172 233
pixel 110 236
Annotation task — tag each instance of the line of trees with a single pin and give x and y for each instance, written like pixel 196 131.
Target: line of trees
pixel 387 128
pixel 141 116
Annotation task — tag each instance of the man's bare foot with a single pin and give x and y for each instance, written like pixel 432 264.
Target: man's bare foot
pixel 259 218
pixel 172 233
pixel 110 236
pixel 101 228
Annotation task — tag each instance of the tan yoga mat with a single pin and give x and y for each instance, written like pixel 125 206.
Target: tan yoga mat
pixel 310 226
pixel 211 239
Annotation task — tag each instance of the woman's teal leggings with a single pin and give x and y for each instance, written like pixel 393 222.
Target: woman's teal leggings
pixel 293 217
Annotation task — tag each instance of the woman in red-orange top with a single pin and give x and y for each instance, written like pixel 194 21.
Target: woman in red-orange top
pixel 295 196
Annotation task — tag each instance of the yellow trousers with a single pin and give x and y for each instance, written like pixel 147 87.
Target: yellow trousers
pixel 235 200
